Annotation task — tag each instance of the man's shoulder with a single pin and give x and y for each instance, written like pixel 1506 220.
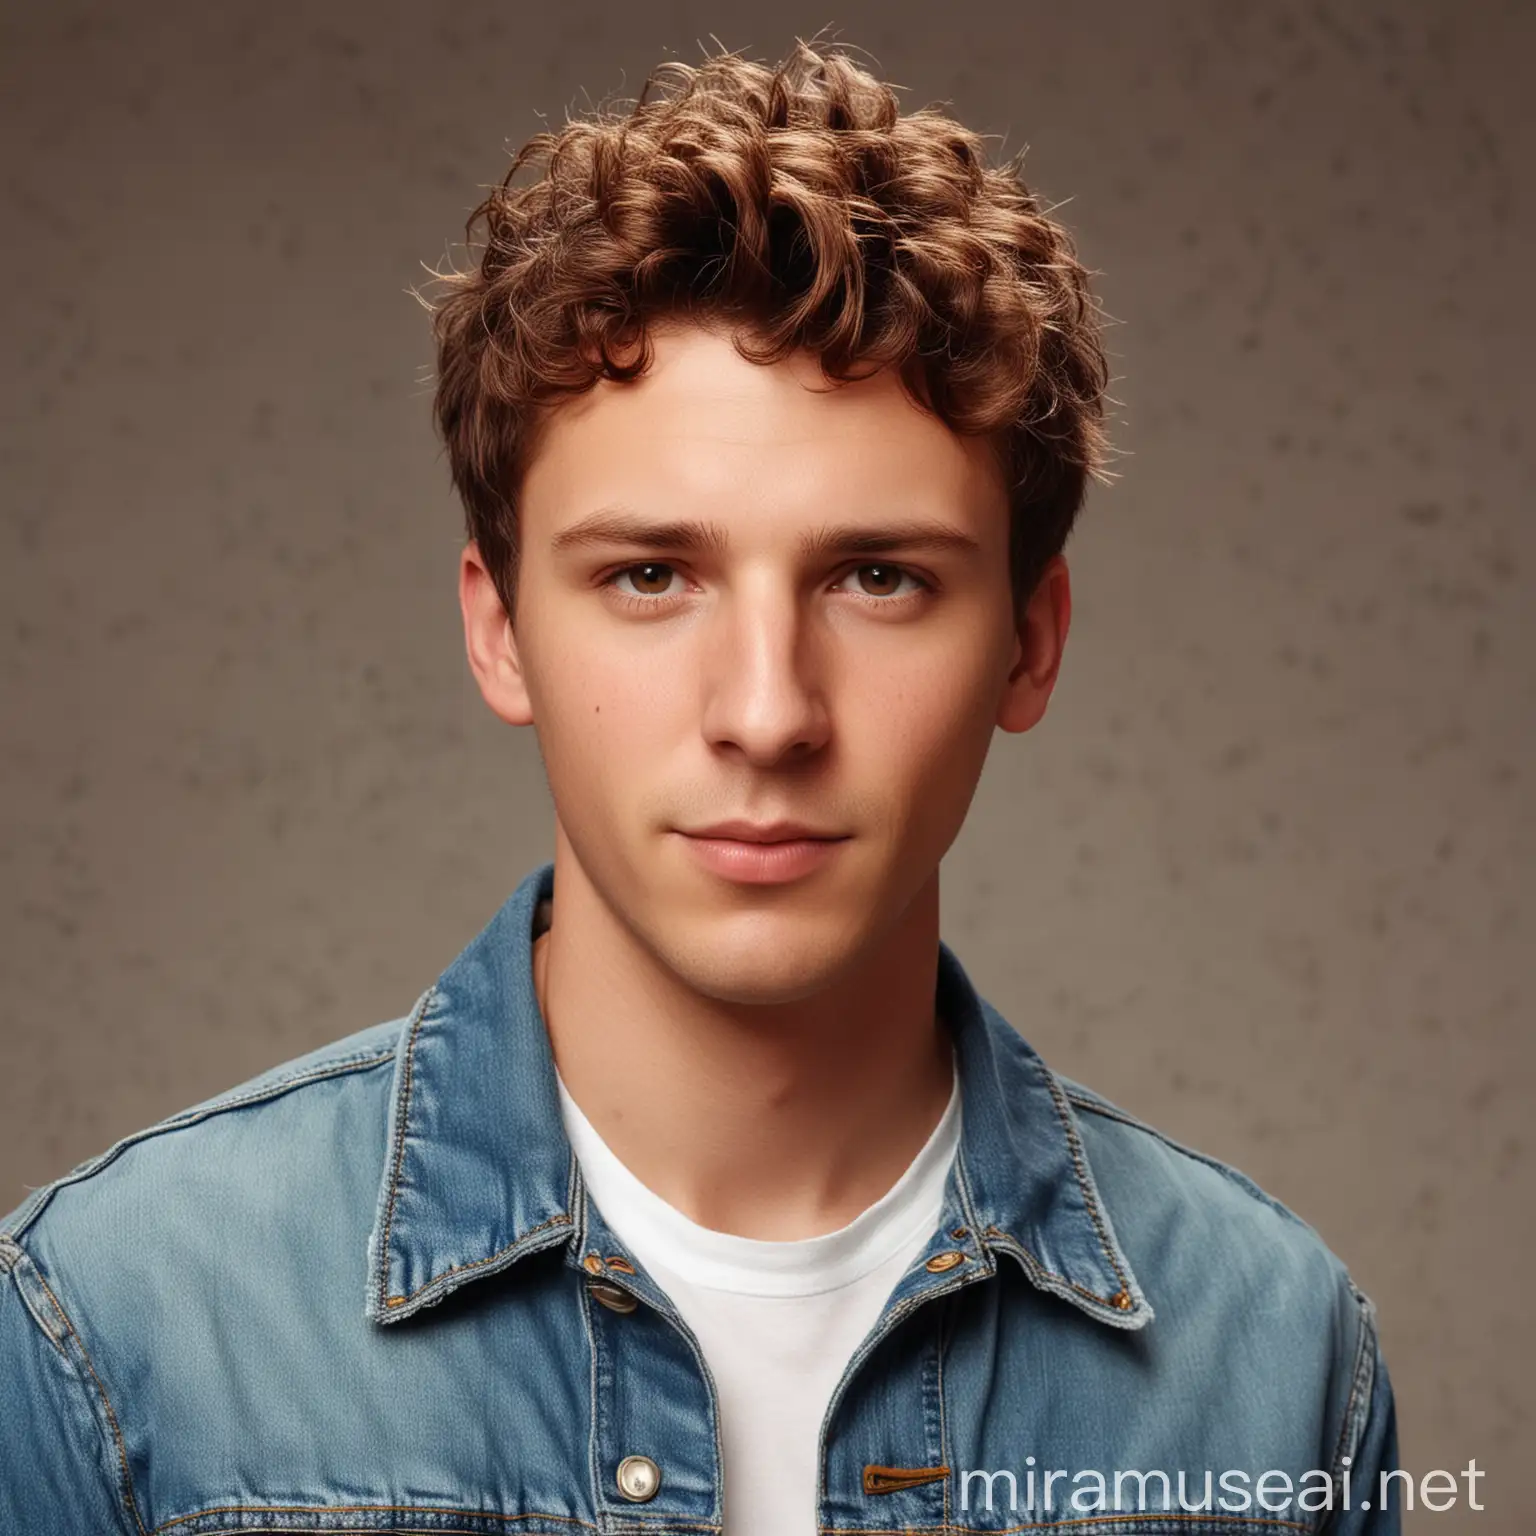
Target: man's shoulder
pixel 1129 1145
pixel 1233 1272
pixel 282 1119
pixel 1189 1219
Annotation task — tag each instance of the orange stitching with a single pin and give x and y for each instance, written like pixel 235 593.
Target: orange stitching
pixel 106 1402
pixel 1082 1290
pixel 358 1509
pixel 1053 1525
pixel 1059 1099
pixel 453 1269
pixel 398 1509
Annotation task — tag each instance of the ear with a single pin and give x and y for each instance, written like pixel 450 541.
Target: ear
pixel 1042 635
pixel 489 641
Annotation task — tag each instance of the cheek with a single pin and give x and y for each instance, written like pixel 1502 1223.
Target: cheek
pixel 930 711
pixel 600 713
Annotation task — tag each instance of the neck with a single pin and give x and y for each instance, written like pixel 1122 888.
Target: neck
pixel 776 1121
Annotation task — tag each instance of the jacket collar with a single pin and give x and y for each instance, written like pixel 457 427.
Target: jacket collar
pixel 478 1172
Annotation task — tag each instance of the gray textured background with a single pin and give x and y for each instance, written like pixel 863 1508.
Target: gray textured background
pixel 1262 875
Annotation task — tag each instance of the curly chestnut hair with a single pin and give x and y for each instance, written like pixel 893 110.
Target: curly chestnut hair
pixel 798 206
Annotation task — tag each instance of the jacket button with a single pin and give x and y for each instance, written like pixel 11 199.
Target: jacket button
pixel 612 1297
pixel 942 1261
pixel 638 1478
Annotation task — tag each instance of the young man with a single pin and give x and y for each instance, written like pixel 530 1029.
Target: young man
pixel 702 1191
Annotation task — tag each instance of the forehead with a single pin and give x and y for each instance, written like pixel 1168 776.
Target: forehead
pixel 706 427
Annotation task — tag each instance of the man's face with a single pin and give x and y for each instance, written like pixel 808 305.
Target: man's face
pixel 752 665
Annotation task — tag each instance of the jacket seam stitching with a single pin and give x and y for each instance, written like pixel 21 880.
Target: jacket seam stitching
pixel 560 1219
pixel 384 1300
pixel 579 1205
pixel 397 1153
pixel 190 1117
pixel 24 1294
pixel 1233 1176
pixel 1074 1146
pixel 967 1205
pixel 1049 1274
pixel 983 1233
pixel 359 1509
pixel 1365 1347
pixel 117 1435
pixel 942 1344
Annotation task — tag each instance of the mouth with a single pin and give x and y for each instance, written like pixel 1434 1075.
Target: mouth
pixel 768 834
pixel 761 859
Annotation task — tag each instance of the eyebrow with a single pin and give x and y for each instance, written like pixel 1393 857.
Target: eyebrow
pixel 616 526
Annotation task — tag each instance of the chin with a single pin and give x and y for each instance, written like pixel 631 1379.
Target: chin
pixel 762 967
pixel 745 987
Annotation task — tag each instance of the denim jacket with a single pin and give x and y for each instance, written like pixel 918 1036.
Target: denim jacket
pixel 366 1292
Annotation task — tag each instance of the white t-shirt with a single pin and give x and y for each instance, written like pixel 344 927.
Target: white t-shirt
pixel 777 1321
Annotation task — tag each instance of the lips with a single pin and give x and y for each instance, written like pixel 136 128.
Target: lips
pixel 763 854
pixel 766 832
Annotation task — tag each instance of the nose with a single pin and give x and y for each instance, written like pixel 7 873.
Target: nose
pixel 765 675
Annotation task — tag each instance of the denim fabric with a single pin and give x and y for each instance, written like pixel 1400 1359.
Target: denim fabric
pixel 354 1294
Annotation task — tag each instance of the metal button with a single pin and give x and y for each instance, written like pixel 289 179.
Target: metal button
pixel 638 1478
pixel 612 1297
pixel 942 1261
pixel 592 1264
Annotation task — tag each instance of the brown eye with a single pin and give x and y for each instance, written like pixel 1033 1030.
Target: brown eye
pixel 888 578
pixel 645 578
